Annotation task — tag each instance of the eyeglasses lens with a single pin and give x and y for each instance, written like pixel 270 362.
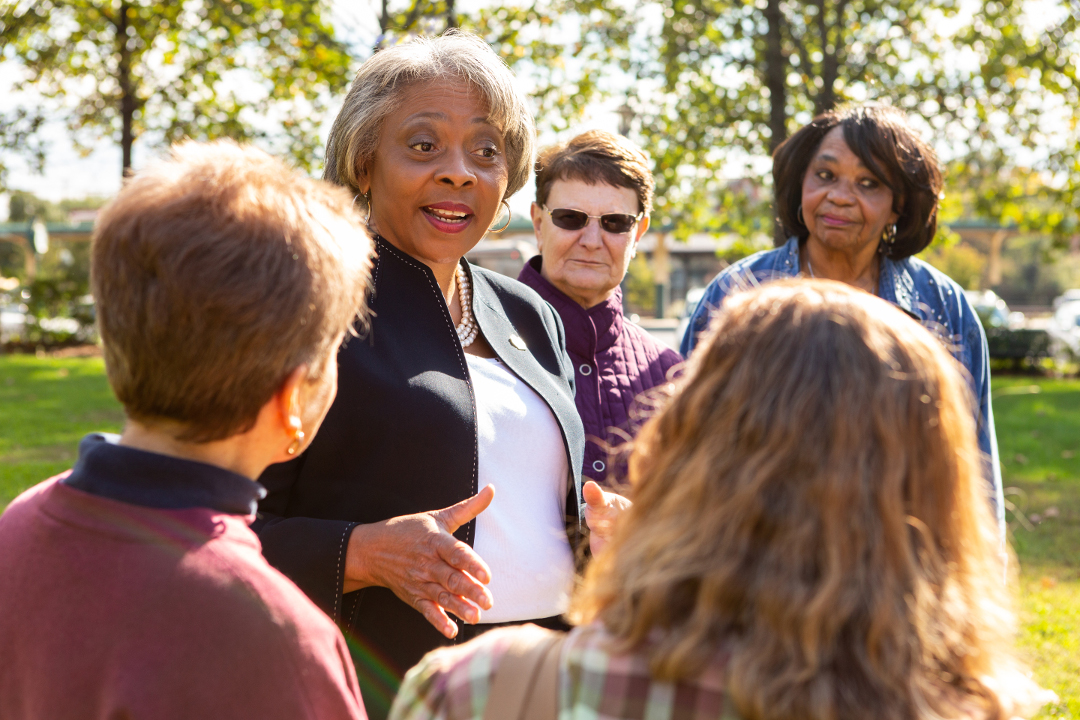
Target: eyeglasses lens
pixel 575 220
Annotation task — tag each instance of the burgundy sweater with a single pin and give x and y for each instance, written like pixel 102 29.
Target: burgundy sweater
pixel 615 361
pixel 136 608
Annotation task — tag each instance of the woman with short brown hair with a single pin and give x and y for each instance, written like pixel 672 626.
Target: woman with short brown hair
pixel 857 194
pixel 131 585
pixel 593 198
pixel 808 539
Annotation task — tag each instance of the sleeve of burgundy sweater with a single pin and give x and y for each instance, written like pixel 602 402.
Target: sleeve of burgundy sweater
pixel 309 551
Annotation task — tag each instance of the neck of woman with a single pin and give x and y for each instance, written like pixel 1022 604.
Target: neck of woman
pixel 859 269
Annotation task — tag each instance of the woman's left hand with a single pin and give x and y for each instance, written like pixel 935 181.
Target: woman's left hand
pixel 602 509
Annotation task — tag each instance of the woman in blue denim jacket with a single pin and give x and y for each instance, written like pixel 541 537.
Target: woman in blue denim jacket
pixel 857 195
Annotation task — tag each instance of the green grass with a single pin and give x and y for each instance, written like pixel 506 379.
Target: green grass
pixel 1038 430
pixel 47 405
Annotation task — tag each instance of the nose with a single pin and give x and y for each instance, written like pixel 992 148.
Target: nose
pixel 455 169
pixel 590 234
pixel 842 193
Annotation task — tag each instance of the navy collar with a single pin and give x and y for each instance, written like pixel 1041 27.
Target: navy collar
pixel 138 477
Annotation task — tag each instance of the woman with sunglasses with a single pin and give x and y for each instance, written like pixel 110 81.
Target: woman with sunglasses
pixel 593 196
pixel 461 382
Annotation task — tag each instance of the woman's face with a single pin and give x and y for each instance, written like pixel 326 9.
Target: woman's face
pixel 845 207
pixel 586 264
pixel 439 172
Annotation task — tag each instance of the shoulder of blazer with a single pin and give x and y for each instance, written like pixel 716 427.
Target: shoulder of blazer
pixel 515 299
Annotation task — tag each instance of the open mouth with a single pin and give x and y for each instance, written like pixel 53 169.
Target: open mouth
pixel 447 219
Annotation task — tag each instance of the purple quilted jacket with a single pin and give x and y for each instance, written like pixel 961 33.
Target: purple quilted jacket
pixel 614 362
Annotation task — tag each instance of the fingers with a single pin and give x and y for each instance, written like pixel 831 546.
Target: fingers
pixel 594 496
pixel 435 615
pixel 465 572
pixel 455 516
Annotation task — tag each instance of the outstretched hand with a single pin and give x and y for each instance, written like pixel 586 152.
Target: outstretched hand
pixel 602 509
pixel 420 560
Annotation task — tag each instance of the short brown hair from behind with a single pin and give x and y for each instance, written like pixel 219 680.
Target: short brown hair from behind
pixel 216 272
pixel 882 138
pixel 596 157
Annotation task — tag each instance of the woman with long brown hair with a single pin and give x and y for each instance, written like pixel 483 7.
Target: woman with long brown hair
pixel 808 539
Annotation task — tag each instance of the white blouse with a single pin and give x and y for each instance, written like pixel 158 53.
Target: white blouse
pixel 522 534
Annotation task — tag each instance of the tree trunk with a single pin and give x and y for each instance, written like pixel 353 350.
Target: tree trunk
pixel 451 15
pixel 127 90
pixel 830 53
pixel 776 74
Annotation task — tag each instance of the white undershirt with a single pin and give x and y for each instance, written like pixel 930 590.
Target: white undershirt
pixel 522 535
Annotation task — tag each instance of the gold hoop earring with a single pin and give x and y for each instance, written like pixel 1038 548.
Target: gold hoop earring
pixel 508 217
pixel 298 440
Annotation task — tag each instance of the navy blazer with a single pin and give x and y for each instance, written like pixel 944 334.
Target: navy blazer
pixel 401 438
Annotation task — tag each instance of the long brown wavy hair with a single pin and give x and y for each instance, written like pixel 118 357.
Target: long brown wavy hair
pixel 810 502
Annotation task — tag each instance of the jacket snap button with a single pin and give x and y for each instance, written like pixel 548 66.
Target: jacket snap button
pixel 585 369
pixel 598 465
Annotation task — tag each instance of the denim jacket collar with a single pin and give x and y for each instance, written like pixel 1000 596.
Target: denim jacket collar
pixel 895 283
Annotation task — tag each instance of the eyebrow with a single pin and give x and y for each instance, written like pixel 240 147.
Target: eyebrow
pixel 446 118
pixel 830 158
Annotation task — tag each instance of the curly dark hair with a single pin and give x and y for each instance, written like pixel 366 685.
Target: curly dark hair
pixel 882 138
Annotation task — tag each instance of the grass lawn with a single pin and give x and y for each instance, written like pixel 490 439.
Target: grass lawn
pixel 1038 430
pixel 47 405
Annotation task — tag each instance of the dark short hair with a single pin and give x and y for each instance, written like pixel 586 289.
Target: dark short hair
pixel 596 157
pixel 881 137
pixel 217 272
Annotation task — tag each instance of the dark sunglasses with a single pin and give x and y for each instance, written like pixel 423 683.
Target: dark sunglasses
pixel 617 223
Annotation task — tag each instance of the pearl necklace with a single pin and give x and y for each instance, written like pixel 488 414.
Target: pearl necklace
pixel 467 329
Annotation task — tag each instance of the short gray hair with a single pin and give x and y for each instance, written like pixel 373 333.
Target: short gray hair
pixel 377 89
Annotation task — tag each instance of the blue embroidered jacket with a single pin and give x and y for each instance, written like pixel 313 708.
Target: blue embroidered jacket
pixel 912 285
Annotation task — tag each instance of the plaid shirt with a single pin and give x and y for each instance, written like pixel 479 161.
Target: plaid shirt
pixel 594 683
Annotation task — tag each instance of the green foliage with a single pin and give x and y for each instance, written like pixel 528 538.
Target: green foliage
pixel 962 263
pixel 192 68
pixel 24 207
pixel 639 287
pixel 739 76
pixel 1035 271
pixel 563 49
pixel 740 249
pixel 57 301
pixel 18 133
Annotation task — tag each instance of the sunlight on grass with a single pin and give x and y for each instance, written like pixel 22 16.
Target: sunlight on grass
pixel 48 405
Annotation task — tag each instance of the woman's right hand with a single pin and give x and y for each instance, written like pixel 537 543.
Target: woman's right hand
pixel 418 558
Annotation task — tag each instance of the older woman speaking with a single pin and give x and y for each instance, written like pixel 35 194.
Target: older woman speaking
pixel 857 193
pixel 593 197
pixel 808 540
pixel 461 382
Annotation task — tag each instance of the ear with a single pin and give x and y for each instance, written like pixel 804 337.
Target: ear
pixel 363 179
pixel 286 400
pixel 537 214
pixel 643 227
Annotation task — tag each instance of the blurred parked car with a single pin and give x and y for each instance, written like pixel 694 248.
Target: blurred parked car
pixel 1065 325
pixel 1007 334
pixel 1067 296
